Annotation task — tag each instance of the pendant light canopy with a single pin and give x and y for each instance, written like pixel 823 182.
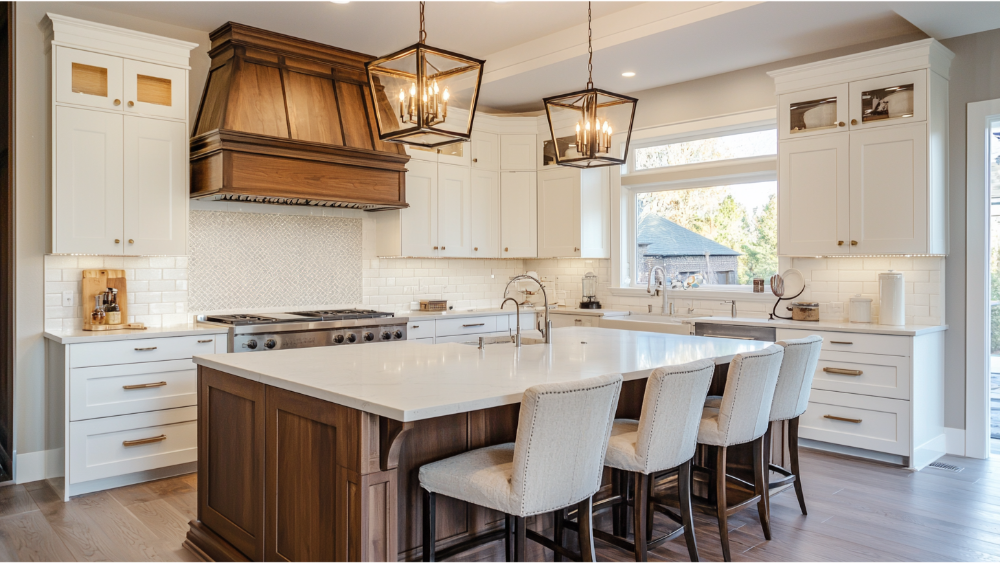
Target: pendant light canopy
pixel 425 96
pixel 581 123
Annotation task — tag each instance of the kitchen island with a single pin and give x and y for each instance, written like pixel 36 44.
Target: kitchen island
pixel 312 454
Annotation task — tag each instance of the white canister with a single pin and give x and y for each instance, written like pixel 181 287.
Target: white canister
pixel 891 296
pixel 860 309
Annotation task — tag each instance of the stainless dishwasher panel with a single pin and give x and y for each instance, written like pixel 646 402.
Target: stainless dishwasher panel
pixel 741 332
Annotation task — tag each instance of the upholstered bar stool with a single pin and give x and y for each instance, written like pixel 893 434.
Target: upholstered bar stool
pixel 742 416
pixel 664 438
pixel 556 461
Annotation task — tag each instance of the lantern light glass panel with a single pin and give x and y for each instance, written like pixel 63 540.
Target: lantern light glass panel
pixel 425 96
pixel 582 124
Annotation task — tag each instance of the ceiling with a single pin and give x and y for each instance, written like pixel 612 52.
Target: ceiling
pixel 538 49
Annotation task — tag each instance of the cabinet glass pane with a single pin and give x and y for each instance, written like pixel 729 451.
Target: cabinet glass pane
pixel 566 146
pixel 421 149
pixel 887 103
pixel 454 149
pixel 90 80
pixel 153 90
pixel 813 115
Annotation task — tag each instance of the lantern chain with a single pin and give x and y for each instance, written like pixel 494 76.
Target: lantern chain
pixel 590 50
pixel 423 33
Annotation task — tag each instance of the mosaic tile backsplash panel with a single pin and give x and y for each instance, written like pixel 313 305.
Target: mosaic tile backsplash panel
pixel 248 260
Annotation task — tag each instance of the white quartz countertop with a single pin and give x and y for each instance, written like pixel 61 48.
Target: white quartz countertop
pixel 460 314
pixel 832 326
pixel 409 381
pixel 588 312
pixel 79 335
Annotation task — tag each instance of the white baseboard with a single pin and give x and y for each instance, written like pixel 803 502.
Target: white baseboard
pixel 955 441
pixel 36 466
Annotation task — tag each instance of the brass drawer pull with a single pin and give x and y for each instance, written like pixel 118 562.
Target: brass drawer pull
pixel 205 341
pixel 130 443
pixel 841 342
pixel 145 385
pixel 145 349
pixel 415 326
pixel 853 420
pixel 842 371
pixel 477 324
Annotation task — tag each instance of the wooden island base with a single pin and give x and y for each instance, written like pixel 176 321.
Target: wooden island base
pixel 284 476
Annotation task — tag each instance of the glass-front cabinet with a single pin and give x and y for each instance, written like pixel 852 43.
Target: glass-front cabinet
pixel 889 100
pixel 813 112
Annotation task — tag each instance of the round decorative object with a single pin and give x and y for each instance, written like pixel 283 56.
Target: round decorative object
pixel 794 282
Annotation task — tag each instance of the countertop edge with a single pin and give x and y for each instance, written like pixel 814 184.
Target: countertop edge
pixel 116 335
pixel 861 328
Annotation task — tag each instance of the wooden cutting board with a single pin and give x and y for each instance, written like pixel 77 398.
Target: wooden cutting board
pixel 98 281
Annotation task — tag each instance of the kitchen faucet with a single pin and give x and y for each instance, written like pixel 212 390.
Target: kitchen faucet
pixel 517 311
pixel 547 331
pixel 661 287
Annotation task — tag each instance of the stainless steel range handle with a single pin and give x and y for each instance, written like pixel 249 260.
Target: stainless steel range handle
pixel 476 324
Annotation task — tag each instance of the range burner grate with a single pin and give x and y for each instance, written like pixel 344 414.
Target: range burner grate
pixel 344 314
pixel 241 320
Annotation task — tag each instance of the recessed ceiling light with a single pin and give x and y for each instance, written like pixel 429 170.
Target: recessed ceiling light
pixel 340 1
pixel 628 74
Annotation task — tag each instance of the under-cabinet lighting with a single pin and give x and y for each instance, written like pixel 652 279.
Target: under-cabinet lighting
pixel 628 74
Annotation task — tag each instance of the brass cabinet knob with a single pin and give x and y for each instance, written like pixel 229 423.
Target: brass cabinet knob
pixel 131 103
pixel 475 248
pixel 435 248
pixel 576 249
pixel 130 241
pixel 442 248
pixel 840 243
pixel 854 243
pixel 841 124
pixel 475 160
pixel 505 249
pixel 854 122
pixel 118 102
pixel 117 241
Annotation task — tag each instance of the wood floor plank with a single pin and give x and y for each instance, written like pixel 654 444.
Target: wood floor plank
pixel 29 537
pixel 14 499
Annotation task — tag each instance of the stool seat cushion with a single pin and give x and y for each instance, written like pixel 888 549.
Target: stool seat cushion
pixel 482 477
pixel 713 401
pixel 709 432
pixel 623 446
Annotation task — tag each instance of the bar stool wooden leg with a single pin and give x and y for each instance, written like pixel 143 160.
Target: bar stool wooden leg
pixel 430 500
pixel 616 510
pixel 560 515
pixel 760 486
pixel 687 516
pixel 520 540
pixel 793 456
pixel 585 519
pixel 508 538
pixel 640 515
pixel 720 499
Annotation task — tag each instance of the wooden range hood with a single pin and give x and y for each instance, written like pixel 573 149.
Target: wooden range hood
pixel 289 121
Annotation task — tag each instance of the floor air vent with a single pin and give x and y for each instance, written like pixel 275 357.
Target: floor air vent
pixel 946 466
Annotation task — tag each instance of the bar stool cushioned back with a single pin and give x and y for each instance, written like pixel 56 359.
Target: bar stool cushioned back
pixel 557 458
pixel 791 396
pixel 744 412
pixel 666 433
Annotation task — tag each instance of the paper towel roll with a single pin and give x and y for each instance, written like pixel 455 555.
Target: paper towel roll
pixel 892 299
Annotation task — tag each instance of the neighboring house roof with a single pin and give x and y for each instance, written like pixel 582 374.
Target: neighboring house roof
pixel 666 238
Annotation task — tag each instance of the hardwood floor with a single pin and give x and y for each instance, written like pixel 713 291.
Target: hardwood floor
pixel 858 511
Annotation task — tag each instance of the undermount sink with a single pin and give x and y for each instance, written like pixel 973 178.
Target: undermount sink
pixel 647 323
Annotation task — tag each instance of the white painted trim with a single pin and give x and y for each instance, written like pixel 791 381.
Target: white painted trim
pixel 955 441
pixel 136 45
pixel 35 466
pixel 977 280
pixel 707 127
pixel 852 451
pixel 743 293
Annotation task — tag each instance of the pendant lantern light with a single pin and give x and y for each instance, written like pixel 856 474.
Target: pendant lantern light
pixel 423 95
pixel 583 122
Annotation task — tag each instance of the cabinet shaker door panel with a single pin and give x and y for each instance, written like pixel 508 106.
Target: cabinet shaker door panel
pixel 559 212
pixel 419 221
pixel 156 180
pixel 518 215
pixel 813 196
pixel 454 211
pixel 88 79
pixel 485 219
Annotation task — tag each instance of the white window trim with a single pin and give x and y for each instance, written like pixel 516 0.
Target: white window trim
pixel 702 174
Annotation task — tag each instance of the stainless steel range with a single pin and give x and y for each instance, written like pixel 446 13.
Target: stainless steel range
pixel 308 329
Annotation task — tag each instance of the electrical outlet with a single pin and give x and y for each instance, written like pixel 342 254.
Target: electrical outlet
pixel 67 299
pixel 837 309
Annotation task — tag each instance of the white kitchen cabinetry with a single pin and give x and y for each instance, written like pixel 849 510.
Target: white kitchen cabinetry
pixel 120 158
pixel 454 200
pixel 518 215
pixel 466 328
pixel 485 151
pixel 877 123
pixel 129 407
pixel 574 213
pixel 485 213
pixel 517 152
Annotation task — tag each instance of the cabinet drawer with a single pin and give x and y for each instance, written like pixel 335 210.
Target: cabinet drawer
pixel 468 325
pixel 118 445
pixel 131 388
pixel 871 423
pixel 420 329
pixel 144 350
pixel 853 342
pixel 864 374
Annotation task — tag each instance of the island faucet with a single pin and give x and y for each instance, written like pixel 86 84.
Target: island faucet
pixel 661 287
pixel 517 311
pixel 547 331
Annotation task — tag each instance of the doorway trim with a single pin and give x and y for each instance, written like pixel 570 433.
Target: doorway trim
pixel 977 320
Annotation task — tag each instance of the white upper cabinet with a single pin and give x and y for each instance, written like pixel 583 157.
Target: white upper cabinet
pixel 87 191
pixel 412 231
pixel 485 150
pixel 454 202
pixel 573 213
pixel 518 215
pixel 517 152
pixel 814 196
pixel 155 187
pixel 120 147
pixel 485 214
pixel 877 184
pixel 455 153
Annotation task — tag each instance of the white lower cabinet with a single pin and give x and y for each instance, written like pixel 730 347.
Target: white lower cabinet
pixel 441 330
pixel 882 393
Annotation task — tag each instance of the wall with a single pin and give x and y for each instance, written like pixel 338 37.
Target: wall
pixel 33 192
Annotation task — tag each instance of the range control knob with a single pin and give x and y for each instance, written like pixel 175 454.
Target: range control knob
pixel 270 344
pixel 369 336
pixel 339 339
pixel 352 338
pixel 398 334
pixel 386 335
pixel 252 344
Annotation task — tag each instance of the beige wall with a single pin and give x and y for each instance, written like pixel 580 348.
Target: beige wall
pixel 33 191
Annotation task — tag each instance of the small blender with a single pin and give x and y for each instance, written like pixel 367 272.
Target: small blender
pixel 590 292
